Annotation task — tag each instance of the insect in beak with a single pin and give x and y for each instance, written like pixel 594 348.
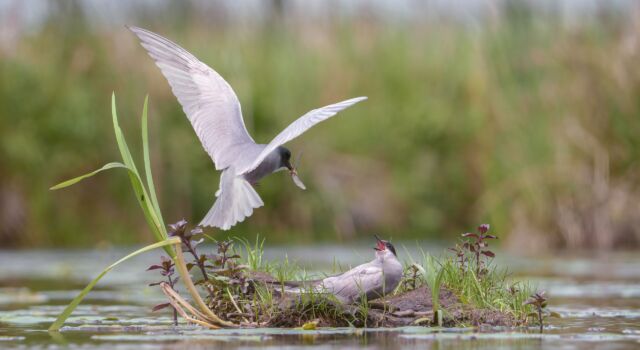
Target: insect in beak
pixel 296 180
pixel 294 173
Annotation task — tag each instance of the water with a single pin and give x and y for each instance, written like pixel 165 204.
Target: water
pixel 597 297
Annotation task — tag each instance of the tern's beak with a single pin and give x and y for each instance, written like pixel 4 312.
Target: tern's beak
pixel 294 175
pixel 380 246
pixel 287 163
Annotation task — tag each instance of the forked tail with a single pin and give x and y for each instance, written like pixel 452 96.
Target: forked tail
pixel 236 201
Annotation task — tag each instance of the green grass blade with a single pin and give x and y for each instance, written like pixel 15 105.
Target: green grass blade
pixel 147 209
pixel 147 161
pixel 82 177
pixel 141 193
pixel 55 326
pixel 122 143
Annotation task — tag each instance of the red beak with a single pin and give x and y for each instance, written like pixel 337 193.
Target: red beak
pixel 379 244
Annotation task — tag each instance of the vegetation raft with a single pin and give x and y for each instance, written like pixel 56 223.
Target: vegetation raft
pixel 244 290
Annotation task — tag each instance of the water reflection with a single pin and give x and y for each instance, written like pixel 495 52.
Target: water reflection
pixel 599 309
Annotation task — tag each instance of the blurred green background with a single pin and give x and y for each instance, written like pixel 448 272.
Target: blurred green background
pixel 521 114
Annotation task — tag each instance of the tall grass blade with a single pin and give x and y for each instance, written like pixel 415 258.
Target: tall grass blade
pixel 142 197
pixel 147 162
pixel 122 143
pixel 75 180
pixel 55 326
pixel 434 275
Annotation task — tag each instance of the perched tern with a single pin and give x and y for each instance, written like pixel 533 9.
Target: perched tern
pixel 372 280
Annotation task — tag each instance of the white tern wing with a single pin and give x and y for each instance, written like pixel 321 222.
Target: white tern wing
pixel 296 128
pixel 206 98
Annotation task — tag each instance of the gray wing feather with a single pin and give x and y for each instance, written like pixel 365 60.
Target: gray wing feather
pixel 354 283
pixel 206 98
pixel 295 129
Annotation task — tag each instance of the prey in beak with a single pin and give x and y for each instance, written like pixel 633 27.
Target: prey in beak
pixel 294 174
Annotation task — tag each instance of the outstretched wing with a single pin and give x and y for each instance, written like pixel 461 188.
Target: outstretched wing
pixel 296 128
pixel 206 98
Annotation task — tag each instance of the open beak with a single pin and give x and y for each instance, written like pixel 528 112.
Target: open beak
pixel 379 244
pixel 294 176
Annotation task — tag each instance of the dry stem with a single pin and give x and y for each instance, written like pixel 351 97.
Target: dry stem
pixel 191 288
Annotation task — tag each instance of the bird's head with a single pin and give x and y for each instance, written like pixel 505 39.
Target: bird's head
pixel 285 162
pixel 384 247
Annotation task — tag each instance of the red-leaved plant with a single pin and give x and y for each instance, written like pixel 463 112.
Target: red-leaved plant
pixel 477 244
pixel 167 270
pixel 539 301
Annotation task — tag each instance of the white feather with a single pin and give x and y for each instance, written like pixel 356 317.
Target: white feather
pixel 236 201
pixel 206 98
pixel 296 129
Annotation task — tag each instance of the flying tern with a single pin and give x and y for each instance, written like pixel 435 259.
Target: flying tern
pixel 214 111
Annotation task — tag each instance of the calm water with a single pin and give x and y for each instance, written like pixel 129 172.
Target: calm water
pixel 598 298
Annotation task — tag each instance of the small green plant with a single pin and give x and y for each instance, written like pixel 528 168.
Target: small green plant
pixel 412 276
pixel 474 281
pixel 434 274
pixel 461 257
pixel 225 248
pixel 253 253
pixel 539 301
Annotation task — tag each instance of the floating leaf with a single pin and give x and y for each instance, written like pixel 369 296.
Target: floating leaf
pixel 309 326
pixel 422 320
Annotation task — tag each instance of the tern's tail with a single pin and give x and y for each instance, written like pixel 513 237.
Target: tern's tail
pixel 236 201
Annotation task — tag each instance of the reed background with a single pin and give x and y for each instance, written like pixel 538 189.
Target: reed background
pixel 524 115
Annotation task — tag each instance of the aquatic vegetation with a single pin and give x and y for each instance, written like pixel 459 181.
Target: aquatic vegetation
pixel 475 281
pixel 433 276
pixel 146 197
pixel 539 301
pixel 248 291
pixel 476 243
pixel 167 270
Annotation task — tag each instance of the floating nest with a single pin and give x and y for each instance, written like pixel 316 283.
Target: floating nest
pixel 249 309
pixel 236 296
